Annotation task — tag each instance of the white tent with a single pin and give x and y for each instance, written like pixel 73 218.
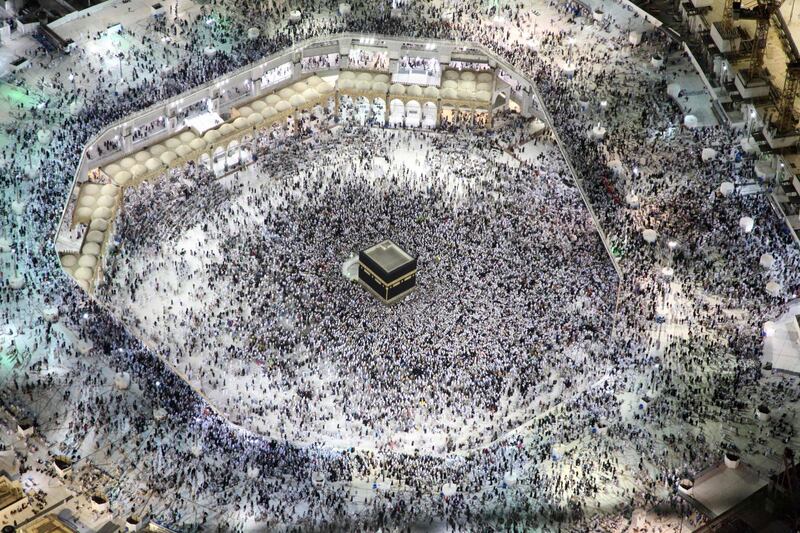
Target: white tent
pixel 535 126
pixel 708 154
pixel 449 489
pixel 674 89
pixel 690 121
pixel 344 9
pixel 632 199
pixel 746 224
pixel 650 235
pixel 773 288
pixel 726 188
pixel 44 136
pixel 635 37
pixel 766 261
pixel 294 16
pixel 122 381
pixel 598 132
pixel 253 33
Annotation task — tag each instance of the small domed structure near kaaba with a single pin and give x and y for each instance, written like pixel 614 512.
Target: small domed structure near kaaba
pixel 388 271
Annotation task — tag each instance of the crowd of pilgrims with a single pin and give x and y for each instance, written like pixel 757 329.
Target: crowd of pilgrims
pixel 198 469
pixel 323 361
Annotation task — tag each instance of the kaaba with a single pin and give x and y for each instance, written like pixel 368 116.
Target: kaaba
pixel 387 271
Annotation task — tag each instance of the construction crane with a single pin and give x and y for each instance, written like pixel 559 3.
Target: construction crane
pixel 762 13
pixel 785 119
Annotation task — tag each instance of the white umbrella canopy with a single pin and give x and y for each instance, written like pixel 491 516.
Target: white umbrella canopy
pixel 187 136
pixel 310 94
pixel 282 106
pixel 83 273
pixel 112 169
pixel 197 144
pixel 157 149
pixel 127 162
pixel 450 75
pixel 450 84
pixel 109 189
pixel 138 170
pixel 241 123
pixel 286 93
pixel 414 90
pixel 90 188
pixel 245 111
pixel 431 92
pixel 650 235
pixel 255 119
pixel 258 106
pixel 467 76
pixel 106 201
pixel 69 260
pixel 344 84
pixel 102 212
pixel 313 81
pixel 183 150
pixel 746 224
pixel 766 261
pixel 449 94
pixel 122 178
pixel 90 248
pixel 396 88
pixel 272 99
pixel 300 86
pixel 141 156
pixel 211 136
pixel 172 143
pixel 83 214
pixel 253 33
pixel 363 85
pixel 153 164
pixel 484 77
pixel 483 96
pixel 325 88
pixel 169 156
pixel 227 129
pixel 99 224
pixel 297 100
pixel 87 200
pixel 383 78
pixel 89 261
pixel 690 121
pixel 269 112
pixel 95 236
pixel 449 489
pixel 347 75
